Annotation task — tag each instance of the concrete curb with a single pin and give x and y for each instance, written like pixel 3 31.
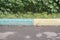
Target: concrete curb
pixel 36 22
pixel 46 22
pixel 16 22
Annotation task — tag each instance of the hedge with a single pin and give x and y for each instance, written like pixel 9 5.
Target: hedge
pixel 49 6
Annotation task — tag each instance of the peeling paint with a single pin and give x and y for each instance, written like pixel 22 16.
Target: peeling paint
pixel 6 34
pixel 27 37
pixel 38 35
pixel 50 34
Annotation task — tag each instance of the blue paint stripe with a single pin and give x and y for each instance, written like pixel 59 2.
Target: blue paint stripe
pixel 16 21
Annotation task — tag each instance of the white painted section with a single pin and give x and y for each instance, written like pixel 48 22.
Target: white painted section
pixel 50 34
pixel 27 37
pixel 38 35
pixel 6 34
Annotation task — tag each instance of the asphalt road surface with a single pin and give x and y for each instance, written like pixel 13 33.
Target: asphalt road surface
pixel 29 33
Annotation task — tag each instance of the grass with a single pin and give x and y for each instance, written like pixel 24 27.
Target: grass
pixel 30 15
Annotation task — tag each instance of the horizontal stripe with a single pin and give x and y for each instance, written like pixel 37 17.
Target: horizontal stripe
pixel 16 21
pixel 46 22
pixel 30 22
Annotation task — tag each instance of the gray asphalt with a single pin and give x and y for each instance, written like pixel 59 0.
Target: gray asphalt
pixel 30 32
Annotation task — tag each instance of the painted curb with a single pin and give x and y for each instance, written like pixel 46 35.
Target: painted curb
pixel 16 21
pixel 38 22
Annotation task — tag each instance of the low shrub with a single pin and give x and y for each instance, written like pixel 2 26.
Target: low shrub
pixel 50 6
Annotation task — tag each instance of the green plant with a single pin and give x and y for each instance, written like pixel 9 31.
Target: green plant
pixel 53 6
pixel 15 6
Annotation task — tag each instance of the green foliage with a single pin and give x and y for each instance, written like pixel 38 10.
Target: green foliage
pixel 50 6
pixel 53 6
pixel 11 5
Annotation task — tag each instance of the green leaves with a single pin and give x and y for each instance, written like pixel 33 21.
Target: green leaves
pixel 50 6
pixel 53 6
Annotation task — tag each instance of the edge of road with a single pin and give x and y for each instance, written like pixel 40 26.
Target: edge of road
pixel 19 22
pixel 39 22
pixel 35 22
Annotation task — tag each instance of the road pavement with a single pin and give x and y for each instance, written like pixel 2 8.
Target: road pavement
pixel 29 33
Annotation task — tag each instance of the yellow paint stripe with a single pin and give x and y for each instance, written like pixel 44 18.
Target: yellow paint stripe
pixel 46 21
